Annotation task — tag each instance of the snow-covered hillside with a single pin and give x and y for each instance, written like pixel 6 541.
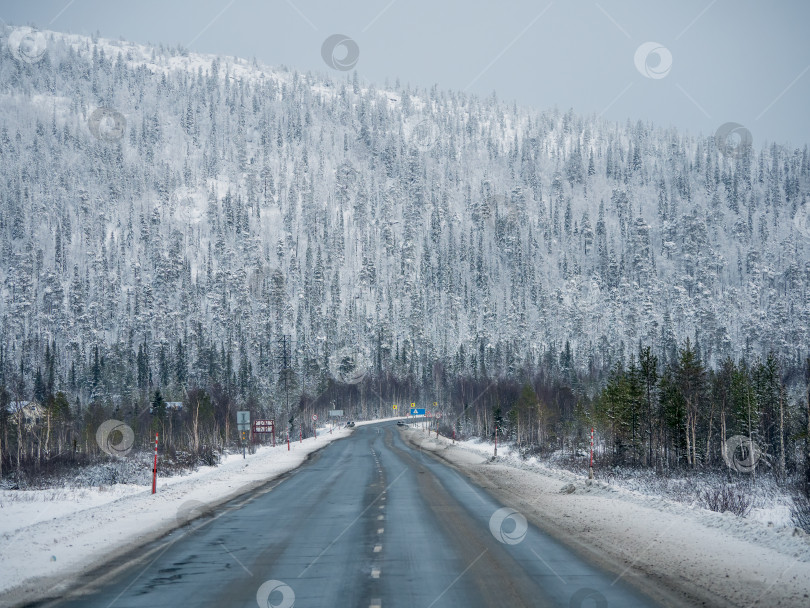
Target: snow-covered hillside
pixel 180 213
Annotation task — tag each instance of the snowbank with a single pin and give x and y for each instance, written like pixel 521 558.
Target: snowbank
pixel 391 419
pixel 49 536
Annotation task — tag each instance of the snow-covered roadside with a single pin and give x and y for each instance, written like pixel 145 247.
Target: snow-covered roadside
pixel 703 557
pixel 49 536
pixel 390 419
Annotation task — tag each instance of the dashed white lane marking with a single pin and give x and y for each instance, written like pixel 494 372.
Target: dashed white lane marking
pixel 375 573
pixel 377 548
pixel 375 603
pixel 380 517
pixel 380 530
pixel 382 506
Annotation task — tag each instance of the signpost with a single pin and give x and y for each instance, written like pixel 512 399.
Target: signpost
pixel 242 425
pixel 264 427
pixel 334 414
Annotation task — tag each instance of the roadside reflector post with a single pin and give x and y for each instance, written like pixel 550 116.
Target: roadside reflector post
pixel 590 467
pixel 288 441
pixel 154 469
pixel 301 435
pixel 496 440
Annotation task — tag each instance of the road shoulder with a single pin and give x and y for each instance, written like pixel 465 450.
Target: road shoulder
pixel 665 553
pixel 46 558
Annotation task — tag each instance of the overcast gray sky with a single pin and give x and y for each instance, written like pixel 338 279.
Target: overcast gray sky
pixel 744 61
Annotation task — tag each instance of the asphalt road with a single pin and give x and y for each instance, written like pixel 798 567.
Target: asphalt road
pixel 369 521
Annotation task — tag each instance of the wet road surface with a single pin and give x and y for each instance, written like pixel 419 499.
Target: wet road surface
pixel 368 521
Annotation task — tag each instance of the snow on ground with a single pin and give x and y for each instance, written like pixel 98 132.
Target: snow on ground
pixel 49 536
pixel 365 422
pixel 664 546
pixel 771 506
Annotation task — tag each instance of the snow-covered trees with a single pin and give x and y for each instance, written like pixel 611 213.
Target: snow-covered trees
pixel 243 204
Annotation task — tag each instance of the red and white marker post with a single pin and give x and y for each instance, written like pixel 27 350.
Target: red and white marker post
pixel 154 469
pixel 590 468
pixel 315 425
pixel 288 441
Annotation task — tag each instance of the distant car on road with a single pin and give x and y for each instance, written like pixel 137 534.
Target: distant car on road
pixel 400 423
pixel 350 423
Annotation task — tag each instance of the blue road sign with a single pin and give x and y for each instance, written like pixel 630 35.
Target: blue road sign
pixel 417 411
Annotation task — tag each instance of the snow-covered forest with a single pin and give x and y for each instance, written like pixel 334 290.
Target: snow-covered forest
pixel 235 235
